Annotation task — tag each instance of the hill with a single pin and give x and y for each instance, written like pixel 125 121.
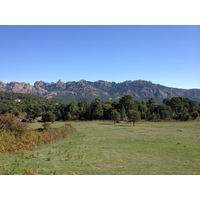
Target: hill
pixel 105 91
pixel 26 106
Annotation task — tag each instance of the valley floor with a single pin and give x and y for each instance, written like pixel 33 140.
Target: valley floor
pixel 102 148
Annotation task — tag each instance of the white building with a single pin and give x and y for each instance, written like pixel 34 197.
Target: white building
pixel 17 100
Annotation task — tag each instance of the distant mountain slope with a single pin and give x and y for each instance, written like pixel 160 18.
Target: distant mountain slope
pixel 86 90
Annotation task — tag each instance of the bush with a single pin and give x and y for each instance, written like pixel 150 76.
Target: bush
pixel 15 135
pixel 46 126
pixel 11 123
pixel 33 138
pixel 48 117
pixel 194 115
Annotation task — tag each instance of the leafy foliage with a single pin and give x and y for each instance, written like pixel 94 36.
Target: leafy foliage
pixel 32 107
pixel 115 116
pixel 133 116
pixel 48 117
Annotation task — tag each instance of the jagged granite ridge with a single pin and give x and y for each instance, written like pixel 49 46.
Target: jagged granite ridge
pixel 87 90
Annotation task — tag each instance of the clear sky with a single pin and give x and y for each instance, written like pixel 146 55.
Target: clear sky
pixel 166 55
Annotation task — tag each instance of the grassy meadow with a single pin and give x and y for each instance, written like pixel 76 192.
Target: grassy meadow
pixel 102 148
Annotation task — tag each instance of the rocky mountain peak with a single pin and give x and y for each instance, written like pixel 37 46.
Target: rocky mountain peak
pixel 139 89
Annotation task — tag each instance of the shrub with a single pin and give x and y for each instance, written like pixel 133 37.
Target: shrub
pixel 12 124
pixel 48 117
pixel 33 138
pixel 46 126
pixel 194 114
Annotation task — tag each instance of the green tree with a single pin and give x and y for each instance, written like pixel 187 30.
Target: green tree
pixel 183 109
pixel 127 102
pixel 165 111
pixel 61 111
pixel 83 110
pixel 107 107
pixel 74 110
pixel 96 109
pixel 133 116
pixel 151 102
pixel 123 113
pixel 115 116
pixel 153 111
pixel 69 116
pixel 48 117
pixel 142 108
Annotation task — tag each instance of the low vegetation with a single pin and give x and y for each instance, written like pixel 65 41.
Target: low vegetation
pixel 17 136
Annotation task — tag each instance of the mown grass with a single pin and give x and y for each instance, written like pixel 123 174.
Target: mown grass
pixel 100 147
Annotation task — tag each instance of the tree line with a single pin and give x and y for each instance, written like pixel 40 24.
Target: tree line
pixel 31 107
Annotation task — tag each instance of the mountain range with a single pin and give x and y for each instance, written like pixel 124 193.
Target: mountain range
pixel 106 91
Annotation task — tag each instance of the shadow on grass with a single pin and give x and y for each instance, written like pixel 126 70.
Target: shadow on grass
pixel 117 124
pixel 124 125
pixel 105 123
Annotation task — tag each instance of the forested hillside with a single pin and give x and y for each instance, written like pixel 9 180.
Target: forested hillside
pixel 27 106
pixel 32 107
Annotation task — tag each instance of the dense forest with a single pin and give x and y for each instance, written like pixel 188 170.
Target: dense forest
pixel 30 107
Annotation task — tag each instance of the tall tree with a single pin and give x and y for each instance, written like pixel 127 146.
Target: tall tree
pixel 152 112
pixel 107 107
pixel 73 109
pixel 127 102
pixel 96 109
pixel 142 108
pixel 84 110
pixel 123 113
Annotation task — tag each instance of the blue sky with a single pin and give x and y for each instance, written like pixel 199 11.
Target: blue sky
pixel 166 55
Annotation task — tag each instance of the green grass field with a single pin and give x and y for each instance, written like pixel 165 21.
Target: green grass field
pixel 100 147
